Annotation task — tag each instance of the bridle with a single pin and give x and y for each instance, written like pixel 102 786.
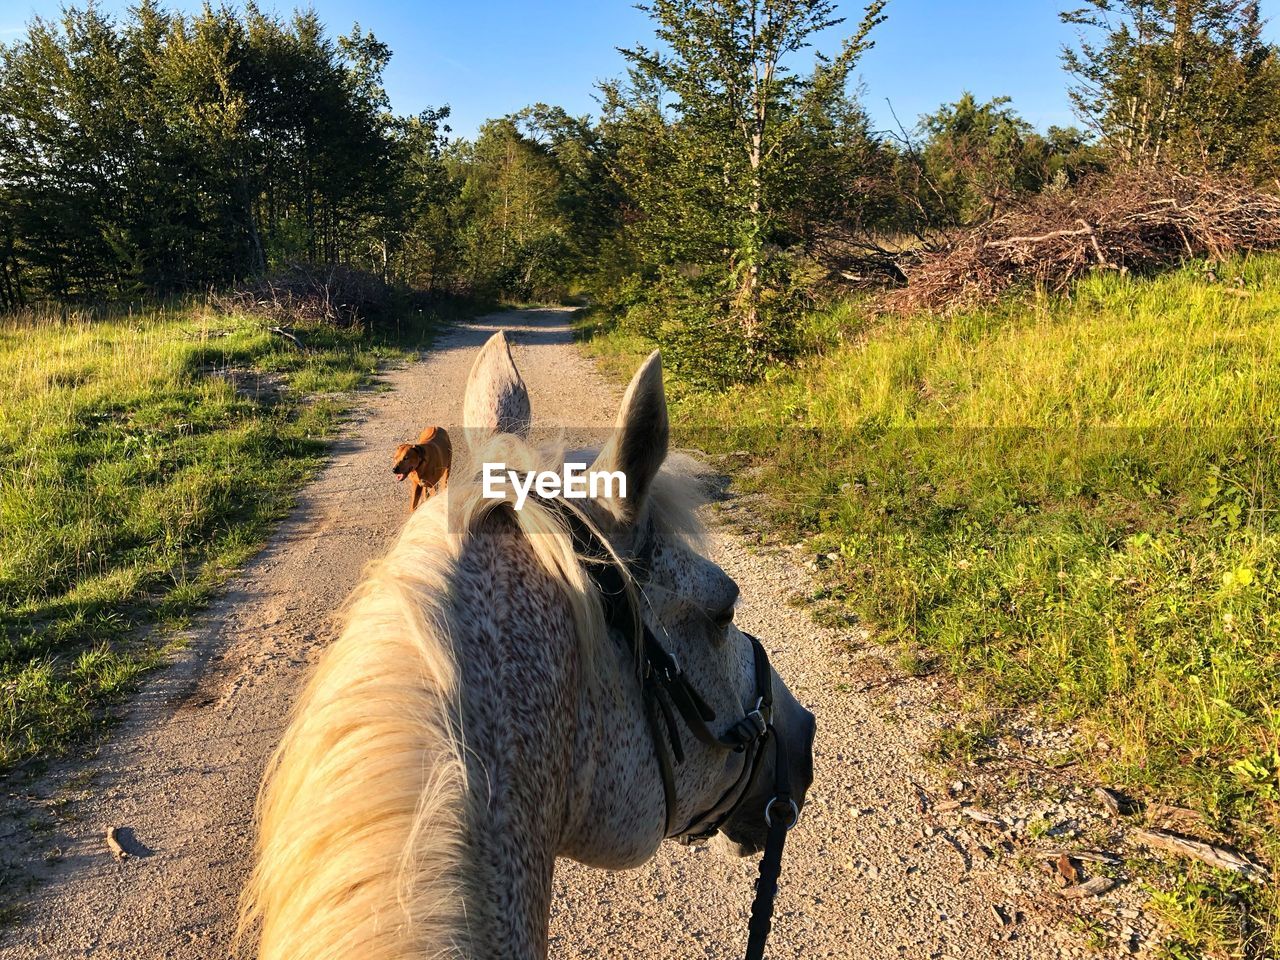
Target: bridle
pixel 666 691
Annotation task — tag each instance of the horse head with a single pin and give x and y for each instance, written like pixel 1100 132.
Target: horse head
pixel 724 730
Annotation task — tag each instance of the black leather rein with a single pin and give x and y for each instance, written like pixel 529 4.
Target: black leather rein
pixel 666 691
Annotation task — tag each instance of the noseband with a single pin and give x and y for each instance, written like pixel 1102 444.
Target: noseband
pixel 666 691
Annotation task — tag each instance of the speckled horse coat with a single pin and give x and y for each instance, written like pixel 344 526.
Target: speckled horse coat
pixel 477 719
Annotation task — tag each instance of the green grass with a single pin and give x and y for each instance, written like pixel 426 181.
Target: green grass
pixel 143 459
pixel 1069 503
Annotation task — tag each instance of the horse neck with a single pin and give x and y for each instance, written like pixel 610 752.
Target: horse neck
pixel 519 669
pixel 559 758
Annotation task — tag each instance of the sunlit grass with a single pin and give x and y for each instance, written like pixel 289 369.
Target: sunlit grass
pixel 1070 503
pixel 144 458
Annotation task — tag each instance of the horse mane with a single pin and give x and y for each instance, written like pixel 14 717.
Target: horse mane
pixel 361 819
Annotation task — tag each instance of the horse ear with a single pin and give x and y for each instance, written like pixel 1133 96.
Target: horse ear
pixel 496 399
pixel 639 442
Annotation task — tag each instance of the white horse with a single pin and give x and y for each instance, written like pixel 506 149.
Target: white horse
pixel 517 685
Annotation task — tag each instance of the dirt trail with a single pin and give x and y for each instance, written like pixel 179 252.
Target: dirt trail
pixel 868 875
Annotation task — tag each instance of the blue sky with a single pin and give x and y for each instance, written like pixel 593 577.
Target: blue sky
pixel 486 58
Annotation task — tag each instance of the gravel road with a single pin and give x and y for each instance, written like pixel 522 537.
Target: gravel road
pixel 872 872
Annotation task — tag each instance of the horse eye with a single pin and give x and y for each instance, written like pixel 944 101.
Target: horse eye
pixel 722 601
pixel 725 617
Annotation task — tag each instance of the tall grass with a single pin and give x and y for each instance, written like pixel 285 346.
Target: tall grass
pixel 143 458
pixel 1071 503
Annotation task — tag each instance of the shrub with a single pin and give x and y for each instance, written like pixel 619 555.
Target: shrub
pixel 1128 221
pixel 312 293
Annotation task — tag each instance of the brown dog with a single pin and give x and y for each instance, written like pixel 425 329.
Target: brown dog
pixel 427 461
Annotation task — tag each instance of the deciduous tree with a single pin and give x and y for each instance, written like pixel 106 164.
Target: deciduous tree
pixel 1190 83
pixel 727 106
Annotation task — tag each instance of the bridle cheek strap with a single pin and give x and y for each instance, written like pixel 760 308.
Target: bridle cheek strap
pixel 666 692
pixel 750 736
pixel 780 815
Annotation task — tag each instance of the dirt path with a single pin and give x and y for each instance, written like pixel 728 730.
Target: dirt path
pixel 870 874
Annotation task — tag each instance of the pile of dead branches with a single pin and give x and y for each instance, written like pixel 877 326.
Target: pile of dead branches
pixel 310 293
pixel 1129 221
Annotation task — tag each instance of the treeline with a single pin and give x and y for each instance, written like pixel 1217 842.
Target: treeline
pixel 751 180
pixel 163 152
pixel 730 178
pixel 170 152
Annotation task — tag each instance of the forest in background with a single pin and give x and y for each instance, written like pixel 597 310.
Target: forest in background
pixel 731 181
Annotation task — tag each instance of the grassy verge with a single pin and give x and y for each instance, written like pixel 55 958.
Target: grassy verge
pixel 1069 503
pixel 144 458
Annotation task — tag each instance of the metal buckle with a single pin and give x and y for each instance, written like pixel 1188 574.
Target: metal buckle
pixel 673 671
pixel 761 724
pixel 795 813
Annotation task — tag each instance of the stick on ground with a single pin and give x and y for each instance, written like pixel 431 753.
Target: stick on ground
pixel 1222 858
pixel 113 842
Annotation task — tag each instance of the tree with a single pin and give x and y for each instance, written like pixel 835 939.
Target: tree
pixel 513 232
pixel 63 153
pixel 849 202
pixel 978 157
pixel 586 196
pixel 728 113
pixel 168 152
pixel 1185 82
pixel 425 198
